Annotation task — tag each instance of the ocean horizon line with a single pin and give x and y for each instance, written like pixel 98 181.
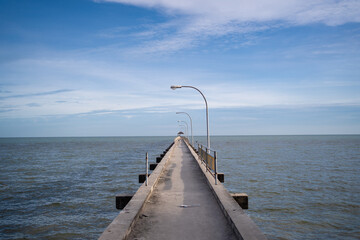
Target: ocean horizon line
pixel 215 135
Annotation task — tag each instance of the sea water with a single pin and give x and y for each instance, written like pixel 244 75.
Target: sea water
pixel 299 187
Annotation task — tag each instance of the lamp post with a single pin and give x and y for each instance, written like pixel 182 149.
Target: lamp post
pixel 192 137
pixel 207 110
pixel 187 128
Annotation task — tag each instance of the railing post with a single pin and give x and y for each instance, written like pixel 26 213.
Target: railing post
pixel 215 159
pixel 147 169
pixel 207 160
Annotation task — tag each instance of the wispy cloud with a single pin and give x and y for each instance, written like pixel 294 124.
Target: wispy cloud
pixel 6 110
pixel 331 12
pixel 33 105
pixel 35 94
pixel 193 21
pixel 140 91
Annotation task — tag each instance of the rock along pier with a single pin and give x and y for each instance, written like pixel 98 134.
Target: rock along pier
pixel 182 200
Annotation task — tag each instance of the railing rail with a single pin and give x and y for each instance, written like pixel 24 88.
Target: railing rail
pixel 208 156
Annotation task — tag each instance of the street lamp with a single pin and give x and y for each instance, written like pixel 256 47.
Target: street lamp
pixel 192 137
pixel 207 110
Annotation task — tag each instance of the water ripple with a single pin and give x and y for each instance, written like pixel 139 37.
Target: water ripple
pixel 299 187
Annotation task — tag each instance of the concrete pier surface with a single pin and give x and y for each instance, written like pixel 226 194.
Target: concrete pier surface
pixel 182 205
pixel 181 202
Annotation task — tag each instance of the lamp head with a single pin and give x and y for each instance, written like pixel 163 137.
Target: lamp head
pixel 173 87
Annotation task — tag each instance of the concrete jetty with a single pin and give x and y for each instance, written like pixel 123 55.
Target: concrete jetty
pixel 182 201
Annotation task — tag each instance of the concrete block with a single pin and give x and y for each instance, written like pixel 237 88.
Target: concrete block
pixel 221 177
pixel 162 155
pixel 142 177
pixel 153 166
pixel 158 159
pixel 169 147
pixel 242 199
pixel 122 199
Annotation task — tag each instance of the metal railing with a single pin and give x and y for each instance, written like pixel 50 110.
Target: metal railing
pixel 209 160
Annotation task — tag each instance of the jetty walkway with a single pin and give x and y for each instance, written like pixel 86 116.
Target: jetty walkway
pixel 181 201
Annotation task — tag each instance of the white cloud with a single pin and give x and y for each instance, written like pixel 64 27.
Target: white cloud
pixel 331 12
pixel 92 87
pixel 196 20
pixel 108 101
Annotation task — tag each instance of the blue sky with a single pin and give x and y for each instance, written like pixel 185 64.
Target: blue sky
pixel 104 68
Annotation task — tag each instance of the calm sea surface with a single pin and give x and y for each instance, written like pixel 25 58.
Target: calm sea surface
pixel 299 187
